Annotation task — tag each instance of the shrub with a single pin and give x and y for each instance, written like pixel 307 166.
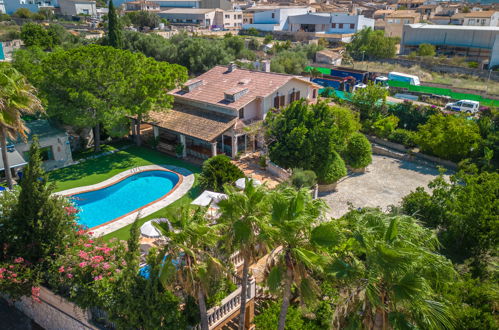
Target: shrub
pixel 268 319
pixel 412 115
pixel 449 137
pixel 385 126
pixel 359 152
pixel 426 50
pixel 23 13
pixel 303 178
pixel 18 279
pixel 403 136
pixel 333 169
pixel 218 171
pixel 91 266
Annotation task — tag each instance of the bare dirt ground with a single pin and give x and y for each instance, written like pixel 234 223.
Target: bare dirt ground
pixel 386 182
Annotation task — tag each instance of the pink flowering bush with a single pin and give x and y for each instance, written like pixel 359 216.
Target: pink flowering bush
pixel 18 279
pixel 89 269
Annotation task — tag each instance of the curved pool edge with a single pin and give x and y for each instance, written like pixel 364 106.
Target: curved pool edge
pixel 184 184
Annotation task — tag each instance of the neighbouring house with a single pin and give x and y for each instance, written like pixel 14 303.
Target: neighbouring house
pixel 327 56
pixel 273 18
pixel 457 19
pixel 2 8
pixel 476 43
pixel 212 112
pixel 165 4
pixel 11 6
pixel 394 22
pixel 54 146
pixel 204 17
pixel 77 7
pixel 330 23
pixel 228 19
pixel 481 18
pixel 142 6
pixel 189 16
pixel 429 11
pixel 410 4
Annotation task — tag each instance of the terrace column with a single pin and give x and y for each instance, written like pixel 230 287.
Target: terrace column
pixel 234 146
pixel 182 142
pixel 213 149
pixel 155 131
pixel 223 151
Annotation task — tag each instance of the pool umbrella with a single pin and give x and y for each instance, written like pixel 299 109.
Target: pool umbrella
pixel 241 183
pixel 148 229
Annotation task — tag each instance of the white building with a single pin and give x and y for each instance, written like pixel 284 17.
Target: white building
pixel 339 23
pixel 273 18
pixel 77 7
pixel 189 16
pixel 2 7
pixel 481 18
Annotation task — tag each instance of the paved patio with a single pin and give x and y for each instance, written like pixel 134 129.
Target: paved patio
pixel 385 183
pixel 249 165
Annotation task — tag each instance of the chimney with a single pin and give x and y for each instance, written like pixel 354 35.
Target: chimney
pixel 232 67
pixel 265 66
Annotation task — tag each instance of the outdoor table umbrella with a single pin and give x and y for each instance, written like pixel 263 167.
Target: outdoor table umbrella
pixel 241 183
pixel 148 229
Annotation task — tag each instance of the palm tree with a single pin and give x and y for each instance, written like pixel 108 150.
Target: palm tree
pixel 294 215
pixel 390 275
pixel 190 260
pixel 17 98
pixel 244 214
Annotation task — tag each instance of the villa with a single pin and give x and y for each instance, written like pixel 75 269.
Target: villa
pixel 211 112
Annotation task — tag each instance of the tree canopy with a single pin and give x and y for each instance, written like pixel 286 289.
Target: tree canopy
pixel 307 136
pixel 372 44
pixel 93 85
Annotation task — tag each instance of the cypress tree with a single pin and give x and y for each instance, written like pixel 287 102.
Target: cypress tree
pixel 114 34
pixel 42 222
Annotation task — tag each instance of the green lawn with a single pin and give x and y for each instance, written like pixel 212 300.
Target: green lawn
pixel 99 169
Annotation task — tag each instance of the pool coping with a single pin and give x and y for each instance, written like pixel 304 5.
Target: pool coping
pixel 185 183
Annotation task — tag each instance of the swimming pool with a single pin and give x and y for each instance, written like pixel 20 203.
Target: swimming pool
pixel 132 193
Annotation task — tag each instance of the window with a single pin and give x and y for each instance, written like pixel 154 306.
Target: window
pixel 227 16
pixel 334 25
pixel 235 16
pixel 239 16
pixel 341 25
pixel 352 26
pixel 273 15
pixel 279 101
pixel 294 96
pixel 46 153
pixel 314 93
pixel 241 113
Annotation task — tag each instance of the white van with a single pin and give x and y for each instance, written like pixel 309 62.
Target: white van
pixel 408 78
pixel 464 106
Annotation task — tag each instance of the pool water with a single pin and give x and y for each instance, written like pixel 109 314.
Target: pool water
pixel 106 204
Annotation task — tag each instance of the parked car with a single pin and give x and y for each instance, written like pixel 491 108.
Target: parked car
pixel 464 106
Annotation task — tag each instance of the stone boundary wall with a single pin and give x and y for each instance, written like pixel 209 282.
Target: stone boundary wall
pixel 494 75
pixel 399 151
pixel 54 312
pixel 281 173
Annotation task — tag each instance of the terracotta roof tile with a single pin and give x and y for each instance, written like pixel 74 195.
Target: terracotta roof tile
pixel 192 122
pixel 219 80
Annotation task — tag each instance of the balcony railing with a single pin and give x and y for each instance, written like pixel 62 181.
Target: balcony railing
pixel 228 306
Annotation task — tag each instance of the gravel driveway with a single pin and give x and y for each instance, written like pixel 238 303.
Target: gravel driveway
pixel 386 181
